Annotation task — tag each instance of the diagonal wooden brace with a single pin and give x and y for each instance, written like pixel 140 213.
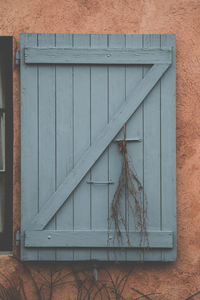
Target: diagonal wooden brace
pixel 91 155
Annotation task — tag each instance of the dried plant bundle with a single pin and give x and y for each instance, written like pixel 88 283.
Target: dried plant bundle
pixel 129 186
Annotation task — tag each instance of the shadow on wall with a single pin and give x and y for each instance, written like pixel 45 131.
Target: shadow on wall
pixel 47 278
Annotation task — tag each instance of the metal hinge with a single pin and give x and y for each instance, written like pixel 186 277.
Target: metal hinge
pixel 18 238
pixel 17 58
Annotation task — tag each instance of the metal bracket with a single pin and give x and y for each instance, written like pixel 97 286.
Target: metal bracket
pixel 18 238
pixel 100 182
pixel 17 58
pixel 136 139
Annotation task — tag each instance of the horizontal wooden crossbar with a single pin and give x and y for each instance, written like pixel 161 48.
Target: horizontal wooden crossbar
pixel 61 238
pixel 97 56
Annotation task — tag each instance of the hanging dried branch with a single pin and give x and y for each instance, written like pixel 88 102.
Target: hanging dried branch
pixel 130 186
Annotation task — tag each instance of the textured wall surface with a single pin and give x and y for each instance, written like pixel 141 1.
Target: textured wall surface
pixel 171 280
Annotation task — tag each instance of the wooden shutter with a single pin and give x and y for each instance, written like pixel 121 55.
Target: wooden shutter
pixel 77 91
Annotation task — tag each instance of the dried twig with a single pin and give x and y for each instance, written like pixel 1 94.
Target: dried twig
pixel 130 185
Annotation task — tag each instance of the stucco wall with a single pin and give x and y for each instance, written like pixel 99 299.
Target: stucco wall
pixel 172 280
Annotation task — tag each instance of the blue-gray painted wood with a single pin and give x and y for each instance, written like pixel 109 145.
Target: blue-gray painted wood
pixel 135 128
pixel 97 56
pixel 81 102
pixel 117 97
pixel 29 142
pixel 64 139
pixel 99 119
pixel 46 136
pixel 168 148
pixel 96 239
pixel 82 140
pixel 152 153
pixel 94 151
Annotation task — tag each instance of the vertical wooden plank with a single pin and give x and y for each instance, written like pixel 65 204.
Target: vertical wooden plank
pixel 168 147
pixel 64 139
pixel 117 94
pixel 152 153
pixel 134 129
pixel 99 119
pixel 29 142
pixel 46 135
pixel 82 139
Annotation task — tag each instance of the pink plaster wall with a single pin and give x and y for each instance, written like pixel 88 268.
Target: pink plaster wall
pixel 173 280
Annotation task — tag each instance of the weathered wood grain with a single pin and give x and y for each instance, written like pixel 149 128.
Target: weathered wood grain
pixel 71 115
pixel 97 56
pixel 29 142
pixel 96 149
pixel 95 239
